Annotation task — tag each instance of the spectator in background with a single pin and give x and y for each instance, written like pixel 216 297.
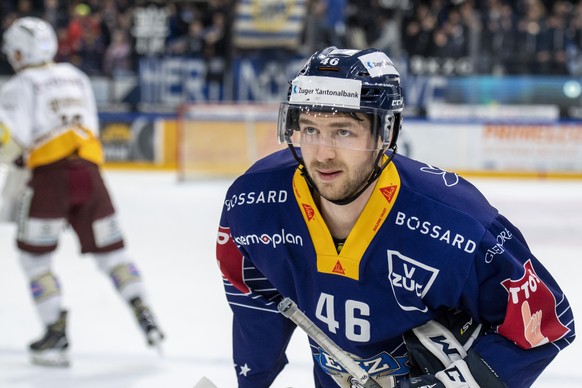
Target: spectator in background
pixel 450 40
pixel 418 31
pixel 389 37
pixel 221 6
pixel 118 59
pixel 77 22
pixel 546 32
pixel 531 29
pixel 335 21
pixel 189 45
pixel 311 32
pixel 27 8
pixel 374 24
pixel 575 47
pixel 497 40
pixel 65 45
pixel 215 34
pixel 176 25
pixel 110 10
pixel 471 21
pixel 364 23
pixel 215 53
pixel 331 20
pixel 55 13
pixel 91 49
pixel 555 40
pixel 196 41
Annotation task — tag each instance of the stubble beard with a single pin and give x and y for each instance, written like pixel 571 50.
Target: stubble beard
pixel 351 180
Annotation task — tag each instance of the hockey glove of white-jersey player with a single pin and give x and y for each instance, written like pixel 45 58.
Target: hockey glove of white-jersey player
pixel 441 355
pixel 9 149
pixel 16 176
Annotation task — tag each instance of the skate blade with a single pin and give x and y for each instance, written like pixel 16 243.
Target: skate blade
pixel 155 338
pixel 51 357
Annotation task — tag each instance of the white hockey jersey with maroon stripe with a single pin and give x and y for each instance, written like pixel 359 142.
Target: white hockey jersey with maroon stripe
pixel 50 111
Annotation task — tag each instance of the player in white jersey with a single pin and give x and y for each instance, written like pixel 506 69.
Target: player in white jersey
pixel 48 120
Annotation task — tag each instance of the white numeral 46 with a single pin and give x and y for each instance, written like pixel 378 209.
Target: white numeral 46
pixel 356 328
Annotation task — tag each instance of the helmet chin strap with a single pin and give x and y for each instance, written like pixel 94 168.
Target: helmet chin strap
pixel 350 198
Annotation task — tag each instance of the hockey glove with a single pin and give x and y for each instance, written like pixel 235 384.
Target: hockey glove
pixel 457 375
pixel 9 149
pixel 440 354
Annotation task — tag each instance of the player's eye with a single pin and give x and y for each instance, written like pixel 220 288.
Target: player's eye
pixel 310 131
pixel 344 133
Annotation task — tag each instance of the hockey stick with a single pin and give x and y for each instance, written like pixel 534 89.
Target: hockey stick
pixel 290 310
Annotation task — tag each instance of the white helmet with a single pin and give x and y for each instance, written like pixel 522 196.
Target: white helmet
pixel 34 38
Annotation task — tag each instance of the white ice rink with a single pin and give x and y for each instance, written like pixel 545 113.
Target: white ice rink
pixel 170 230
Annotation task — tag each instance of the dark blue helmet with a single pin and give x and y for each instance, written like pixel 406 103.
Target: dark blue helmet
pixel 346 81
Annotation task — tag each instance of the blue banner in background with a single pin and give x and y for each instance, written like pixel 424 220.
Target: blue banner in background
pixel 263 76
pixel 173 81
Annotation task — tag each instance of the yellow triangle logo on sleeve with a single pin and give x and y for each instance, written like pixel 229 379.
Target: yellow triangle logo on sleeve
pixel 347 261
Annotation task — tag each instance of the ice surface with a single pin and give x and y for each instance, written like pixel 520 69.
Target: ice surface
pixel 170 229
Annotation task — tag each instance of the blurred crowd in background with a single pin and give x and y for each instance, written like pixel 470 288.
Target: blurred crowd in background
pixel 102 37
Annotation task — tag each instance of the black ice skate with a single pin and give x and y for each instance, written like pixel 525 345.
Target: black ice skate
pixel 52 349
pixel 147 323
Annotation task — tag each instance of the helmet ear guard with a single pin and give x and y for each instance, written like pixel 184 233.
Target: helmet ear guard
pixel 392 123
pixel 285 125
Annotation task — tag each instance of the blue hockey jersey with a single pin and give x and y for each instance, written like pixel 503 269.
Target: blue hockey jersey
pixel 426 240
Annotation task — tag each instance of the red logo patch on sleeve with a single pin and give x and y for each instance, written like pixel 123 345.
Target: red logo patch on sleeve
pixel 230 260
pixel 309 212
pixel 531 318
pixel 388 192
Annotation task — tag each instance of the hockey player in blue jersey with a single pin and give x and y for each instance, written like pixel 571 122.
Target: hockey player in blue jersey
pixel 404 266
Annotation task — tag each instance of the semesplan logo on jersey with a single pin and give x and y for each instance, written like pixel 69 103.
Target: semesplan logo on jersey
pixel 325 90
pixel 274 239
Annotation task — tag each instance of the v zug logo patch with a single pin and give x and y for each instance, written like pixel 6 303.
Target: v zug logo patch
pixel 410 280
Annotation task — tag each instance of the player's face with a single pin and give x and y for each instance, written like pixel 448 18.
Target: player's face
pixel 339 152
